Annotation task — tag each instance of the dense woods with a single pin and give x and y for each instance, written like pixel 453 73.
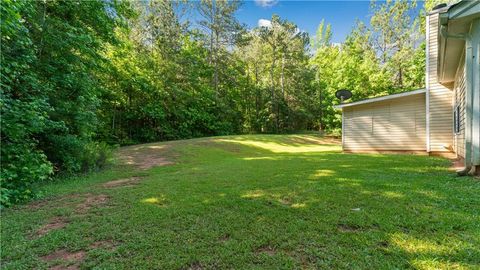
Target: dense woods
pixel 80 76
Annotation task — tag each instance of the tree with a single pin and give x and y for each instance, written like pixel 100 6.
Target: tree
pixel 276 59
pixel 323 36
pixel 50 58
pixel 395 36
pixel 24 108
pixel 221 29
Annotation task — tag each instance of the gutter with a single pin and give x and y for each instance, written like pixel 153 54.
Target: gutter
pixel 380 98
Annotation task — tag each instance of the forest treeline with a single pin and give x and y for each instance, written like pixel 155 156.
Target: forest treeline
pixel 80 76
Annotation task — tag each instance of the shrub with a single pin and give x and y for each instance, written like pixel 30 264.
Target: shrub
pixel 23 108
pixel 95 156
pixel 335 132
pixel 21 168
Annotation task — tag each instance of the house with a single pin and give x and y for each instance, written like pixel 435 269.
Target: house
pixel 440 119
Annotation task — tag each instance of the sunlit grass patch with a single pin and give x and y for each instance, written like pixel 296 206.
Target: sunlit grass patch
pixel 299 205
pixel 434 254
pixel 434 264
pixel 280 148
pixel 416 245
pixel 259 158
pixel 323 173
pixel 287 144
pixel 253 194
pixel 392 194
pixel 155 200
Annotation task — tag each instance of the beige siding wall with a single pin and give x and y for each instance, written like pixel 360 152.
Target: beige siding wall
pixel 459 94
pixel 397 124
pixel 440 98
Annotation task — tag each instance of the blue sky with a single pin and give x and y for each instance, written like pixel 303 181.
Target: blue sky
pixel 308 14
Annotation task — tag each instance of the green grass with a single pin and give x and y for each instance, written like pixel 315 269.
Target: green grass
pixel 258 202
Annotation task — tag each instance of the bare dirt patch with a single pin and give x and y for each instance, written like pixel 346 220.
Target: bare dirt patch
pixel 285 201
pixel 104 244
pixel 457 164
pixel 383 244
pixel 266 250
pixel 91 201
pixel 146 156
pixel 194 266
pixel 53 201
pixel 63 255
pixel 37 205
pixel 348 228
pixel 127 182
pixel 224 238
pixel 54 223
pixel 61 267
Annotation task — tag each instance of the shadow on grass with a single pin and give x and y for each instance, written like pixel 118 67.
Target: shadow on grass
pixel 418 209
pixel 270 202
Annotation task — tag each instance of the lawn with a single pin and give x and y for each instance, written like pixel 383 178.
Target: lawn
pixel 251 202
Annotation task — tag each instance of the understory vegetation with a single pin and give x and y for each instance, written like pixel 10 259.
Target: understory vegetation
pixel 250 202
pixel 80 76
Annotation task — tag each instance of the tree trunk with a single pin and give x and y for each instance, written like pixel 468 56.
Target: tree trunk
pixel 215 65
pixel 272 78
pixel 257 99
pixel 282 79
pixel 320 126
pixel 400 77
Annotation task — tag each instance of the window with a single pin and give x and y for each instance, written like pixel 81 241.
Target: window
pixel 456 119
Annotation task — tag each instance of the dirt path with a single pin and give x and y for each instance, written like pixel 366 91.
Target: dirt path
pixel 146 156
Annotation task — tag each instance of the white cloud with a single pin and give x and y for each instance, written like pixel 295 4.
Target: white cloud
pixel 266 3
pixel 264 23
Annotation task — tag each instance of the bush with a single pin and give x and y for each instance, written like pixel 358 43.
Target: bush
pixel 335 132
pixel 71 154
pixel 21 168
pixel 23 109
pixel 95 156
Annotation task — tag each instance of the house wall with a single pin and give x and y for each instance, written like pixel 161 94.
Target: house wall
pixel 392 125
pixel 439 98
pixel 459 100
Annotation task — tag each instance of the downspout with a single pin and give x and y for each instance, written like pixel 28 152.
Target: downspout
pixel 475 42
pixel 468 95
pixel 427 85
pixel 343 130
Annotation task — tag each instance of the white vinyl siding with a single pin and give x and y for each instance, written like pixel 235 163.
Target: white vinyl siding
pixel 391 125
pixel 440 98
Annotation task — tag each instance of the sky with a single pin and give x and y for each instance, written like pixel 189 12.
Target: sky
pixel 308 14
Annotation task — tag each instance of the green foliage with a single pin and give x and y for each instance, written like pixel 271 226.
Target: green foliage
pixel 50 55
pixel 276 65
pixel 323 36
pixel 384 58
pixel 78 75
pixel 24 109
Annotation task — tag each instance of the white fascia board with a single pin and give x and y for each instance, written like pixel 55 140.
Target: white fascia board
pixel 464 9
pixel 383 98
